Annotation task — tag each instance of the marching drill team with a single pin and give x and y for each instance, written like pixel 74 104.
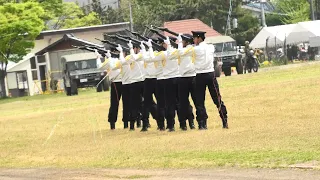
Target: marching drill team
pixel 170 74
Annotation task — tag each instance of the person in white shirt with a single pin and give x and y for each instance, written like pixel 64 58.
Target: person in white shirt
pixel 205 78
pixel 136 83
pixel 167 80
pixel 117 64
pixel 187 81
pixel 116 87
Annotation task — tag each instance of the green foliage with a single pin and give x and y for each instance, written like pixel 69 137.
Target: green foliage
pixel 273 20
pixel 248 27
pixel 295 10
pixel 73 16
pixel 20 25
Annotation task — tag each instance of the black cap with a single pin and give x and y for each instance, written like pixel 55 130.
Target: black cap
pixel 174 39
pixel 198 34
pixel 187 37
pixel 112 49
pixel 135 45
pixel 160 40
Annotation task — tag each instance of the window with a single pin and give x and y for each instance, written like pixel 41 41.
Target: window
pixel 33 63
pixel 34 75
pixel 41 59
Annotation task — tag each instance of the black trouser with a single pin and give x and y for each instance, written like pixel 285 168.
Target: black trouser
pixel 202 81
pixel 171 89
pixel 136 89
pixel 161 103
pixel 126 102
pixel 149 106
pixel 115 95
pixel 186 88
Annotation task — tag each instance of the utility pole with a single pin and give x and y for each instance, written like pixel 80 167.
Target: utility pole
pixel 131 20
pixel 263 17
pixel 312 10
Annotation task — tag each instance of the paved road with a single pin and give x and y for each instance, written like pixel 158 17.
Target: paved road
pixel 216 174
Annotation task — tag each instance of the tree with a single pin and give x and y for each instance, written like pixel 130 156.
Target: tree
pixel 248 27
pixel 72 16
pixel 273 20
pixel 20 24
pixel 295 10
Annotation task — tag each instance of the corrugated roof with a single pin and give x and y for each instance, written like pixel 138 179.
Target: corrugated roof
pixel 188 25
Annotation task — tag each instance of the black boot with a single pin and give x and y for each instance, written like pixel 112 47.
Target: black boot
pixel 183 126
pixel 225 124
pixel 125 125
pixel 112 125
pixel 161 126
pixel 144 126
pixel 191 124
pixel 132 125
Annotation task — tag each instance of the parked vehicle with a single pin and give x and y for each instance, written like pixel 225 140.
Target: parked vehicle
pixel 80 70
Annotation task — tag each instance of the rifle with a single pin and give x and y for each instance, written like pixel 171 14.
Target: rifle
pixel 112 44
pixel 93 48
pixel 166 30
pixel 162 36
pixel 154 44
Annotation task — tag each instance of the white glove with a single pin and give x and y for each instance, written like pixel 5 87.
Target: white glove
pixel 130 44
pixel 179 38
pixel 108 54
pixel 97 54
pixel 149 43
pixel 167 41
pixel 142 46
pixel 119 48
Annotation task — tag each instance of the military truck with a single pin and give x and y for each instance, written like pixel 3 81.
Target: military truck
pixel 80 70
pixel 226 55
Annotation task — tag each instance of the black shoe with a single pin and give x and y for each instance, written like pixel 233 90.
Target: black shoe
pixel 162 129
pixel 171 130
pixel 225 125
pixel 112 126
pixel 144 129
pixel 139 124
pixel 205 124
pixel 125 125
pixel 184 128
pixel 201 125
pixel 132 125
pixel 191 124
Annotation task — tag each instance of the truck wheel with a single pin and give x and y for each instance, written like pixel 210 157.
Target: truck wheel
pixel 239 67
pixel 106 85
pixel 99 88
pixel 217 71
pixel 227 71
pixel 74 88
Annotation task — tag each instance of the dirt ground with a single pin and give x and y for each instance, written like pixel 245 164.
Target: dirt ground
pixel 188 174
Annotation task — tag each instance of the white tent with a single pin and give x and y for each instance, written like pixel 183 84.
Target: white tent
pixel 303 31
pixel 275 34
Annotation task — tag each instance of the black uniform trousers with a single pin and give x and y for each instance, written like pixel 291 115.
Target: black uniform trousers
pixel 136 89
pixel 149 106
pixel 186 88
pixel 115 95
pixel 161 103
pixel 171 89
pixel 126 102
pixel 203 81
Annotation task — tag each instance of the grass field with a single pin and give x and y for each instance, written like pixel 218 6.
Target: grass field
pixel 273 119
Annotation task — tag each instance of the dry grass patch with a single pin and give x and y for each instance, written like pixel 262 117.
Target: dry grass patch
pixel 274 122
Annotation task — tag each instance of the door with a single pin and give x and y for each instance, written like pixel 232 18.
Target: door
pixel 43 77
